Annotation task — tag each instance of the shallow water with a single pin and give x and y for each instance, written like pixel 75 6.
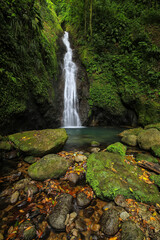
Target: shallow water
pixel 80 138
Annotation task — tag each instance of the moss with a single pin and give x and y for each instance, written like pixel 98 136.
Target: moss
pixel 133 131
pixel 156 179
pixel 156 125
pixel 5 145
pixel 156 150
pixel 146 157
pixel 117 148
pixel 110 175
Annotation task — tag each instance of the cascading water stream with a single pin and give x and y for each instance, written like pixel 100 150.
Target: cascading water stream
pixel 70 113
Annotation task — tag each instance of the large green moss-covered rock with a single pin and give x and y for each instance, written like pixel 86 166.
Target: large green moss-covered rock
pixel 39 143
pixel 132 131
pixel 110 175
pixel 50 166
pixel 148 138
pixel 130 140
pixel 156 125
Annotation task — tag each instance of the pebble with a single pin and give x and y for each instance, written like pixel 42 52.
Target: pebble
pixel 120 200
pixel 108 206
pixel 124 216
pixel 14 197
pixel 80 158
pixel 95 150
pixel 82 200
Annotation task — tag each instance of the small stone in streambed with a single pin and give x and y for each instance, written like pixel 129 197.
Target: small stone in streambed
pixel 73 178
pixel 95 144
pixel 130 231
pixel 31 189
pixel 124 216
pixel 21 184
pixel 11 155
pixel 14 197
pixel 95 150
pixel 120 200
pixel 58 217
pixel 28 230
pixel 110 222
pixel 88 212
pixel 30 159
pixel 108 206
pixel 81 224
pixel 80 158
pixel 82 200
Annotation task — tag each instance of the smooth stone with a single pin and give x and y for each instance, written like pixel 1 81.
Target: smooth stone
pixel 58 217
pixel 30 159
pixel 28 230
pixel 124 216
pixel 130 140
pixel 21 184
pixel 108 206
pixel 120 200
pixel 130 231
pixel 95 144
pixel 82 200
pixel 50 166
pixel 73 178
pixel 80 158
pixel 148 138
pixel 95 150
pixel 14 197
pixel 39 142
pixel 110 222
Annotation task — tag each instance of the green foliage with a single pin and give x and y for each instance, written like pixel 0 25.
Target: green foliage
pixel 28 60
pixel 122 56
pixel 156 179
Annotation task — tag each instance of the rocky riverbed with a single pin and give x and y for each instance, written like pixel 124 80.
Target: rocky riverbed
pixel 65 206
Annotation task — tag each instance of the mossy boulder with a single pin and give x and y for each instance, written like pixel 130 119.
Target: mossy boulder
pixel 117 148
pixel 156 125
pixel 148 138
pixel 39 143
pixel 132 131
pixel 156 150
pixel 110 175
pixel 5 145
pixel 146 157
pixel 130 140
pixel 50 166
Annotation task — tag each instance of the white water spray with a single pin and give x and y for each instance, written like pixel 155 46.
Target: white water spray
pixel 70 113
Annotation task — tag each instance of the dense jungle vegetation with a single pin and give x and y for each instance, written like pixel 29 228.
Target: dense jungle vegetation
pixel 28 62
pixel 119 44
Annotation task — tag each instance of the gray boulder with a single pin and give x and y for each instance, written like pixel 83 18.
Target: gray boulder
pixel 130 140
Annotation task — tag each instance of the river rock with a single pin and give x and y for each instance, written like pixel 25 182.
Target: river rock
pixel 95 144
pixel 31 189
pixel 95 150
pixel 156 150
pixel 50 166
pixel 130 140
pixel 130 231
pixel 124 215
pixel 39 142
pixel 120 200
pixel 132 131
pixel 148 138
pixel 117 148
pixel 82 200
pixel 110 222
pixel 80 158
pixel 58 217
pixel 14 197
pixel 110 175
pixel 21 184
pixel 30 159
pixel 5 145
pixel 28 230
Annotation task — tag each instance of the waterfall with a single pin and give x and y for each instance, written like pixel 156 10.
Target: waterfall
pixel 70 113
